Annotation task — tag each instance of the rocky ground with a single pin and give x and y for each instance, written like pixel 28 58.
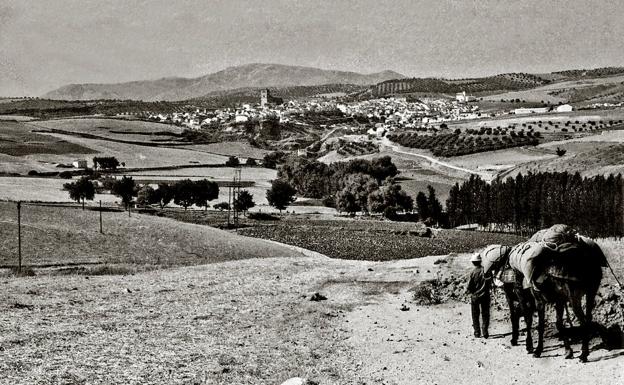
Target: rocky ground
pixel 253 322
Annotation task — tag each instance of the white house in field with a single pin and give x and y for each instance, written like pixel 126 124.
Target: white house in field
pixel 80 163
pixel 564 108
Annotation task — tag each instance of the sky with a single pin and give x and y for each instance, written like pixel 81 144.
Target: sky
pixel 45 44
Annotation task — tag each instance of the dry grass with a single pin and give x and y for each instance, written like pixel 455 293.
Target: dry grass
pixel 138 156
pixel 614 250
pixel 234 323
pixel 240 149
pixel 53 235
pixel 104 127
pixel 41 190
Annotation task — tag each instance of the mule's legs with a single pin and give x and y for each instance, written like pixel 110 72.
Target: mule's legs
pixel 559 307
pixel 559 321
pixel 585 320
pixel 527 305
pixel 541 319
pixel 514 313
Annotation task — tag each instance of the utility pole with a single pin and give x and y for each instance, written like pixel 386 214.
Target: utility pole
pixel 19 237
pixel 101 232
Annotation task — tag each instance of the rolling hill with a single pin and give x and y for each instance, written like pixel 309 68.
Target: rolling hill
pixel 244 76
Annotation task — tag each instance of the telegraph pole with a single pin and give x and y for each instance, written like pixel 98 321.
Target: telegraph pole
pixel 101 232
pixel 19 237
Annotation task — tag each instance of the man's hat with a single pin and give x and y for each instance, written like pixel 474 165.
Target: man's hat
pixel 476 258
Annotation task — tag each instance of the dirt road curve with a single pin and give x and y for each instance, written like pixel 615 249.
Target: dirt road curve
pixel 252 322
pixel 398 149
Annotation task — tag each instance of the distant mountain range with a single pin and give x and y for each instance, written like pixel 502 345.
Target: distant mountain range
pixel 245 76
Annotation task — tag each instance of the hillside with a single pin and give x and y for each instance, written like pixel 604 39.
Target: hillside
pixel 502 82
pixel 72 237
pixel 249 75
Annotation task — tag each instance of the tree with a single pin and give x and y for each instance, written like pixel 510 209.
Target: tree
pixel 205 191
pixel 251 162
pixel 244 201
pixel 80 190
pixel 271 160
pixel 422 205
pixel 146 196
pixel 184 193
pixel 105 163
pixel 347 202
pixel 390 198
pixel 280 195
pixel 124 188
pixel 561 151
pixel 354 196
pixel 435 207
pixel 232 162
pixel 164 194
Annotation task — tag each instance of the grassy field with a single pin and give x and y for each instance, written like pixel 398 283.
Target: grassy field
pixel 558 91
pixel 132 130
pixel 22 150
pixel 41 189
pixel 136 155
pixel 588 158
pixel 242 150
pixel 16 139
pixel 54 235
pixel 360 239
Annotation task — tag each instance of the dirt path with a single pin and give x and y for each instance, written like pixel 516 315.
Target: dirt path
pixel 252 322
pixel 401 150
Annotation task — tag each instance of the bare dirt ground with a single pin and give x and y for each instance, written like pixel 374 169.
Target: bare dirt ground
pixel 252 322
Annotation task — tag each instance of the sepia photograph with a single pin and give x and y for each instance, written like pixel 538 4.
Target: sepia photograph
pixel 311 192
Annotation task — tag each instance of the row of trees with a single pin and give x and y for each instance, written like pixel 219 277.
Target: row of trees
pixel 526 203
pixel 184 193
pixel 455 144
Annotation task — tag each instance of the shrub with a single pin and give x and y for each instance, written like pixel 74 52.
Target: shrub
pixel 427 293
pixel 33 173
pixel 263 217
pixel 65 175
pixel 232 162
pixel 222 206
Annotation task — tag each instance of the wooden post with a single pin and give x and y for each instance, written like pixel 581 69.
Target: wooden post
pixel 229 204
pixel 101 232
pixel 19 237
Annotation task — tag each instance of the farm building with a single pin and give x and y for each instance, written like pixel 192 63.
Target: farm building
pixel 80 163
pixel 564 108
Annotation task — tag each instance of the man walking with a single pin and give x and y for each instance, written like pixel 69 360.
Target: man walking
pixel 479 290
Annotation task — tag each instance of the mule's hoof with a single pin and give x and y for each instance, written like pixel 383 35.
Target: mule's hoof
pixel 537 354
pixel 569 356
pixel 583 359
pixel 529 350
pixel 514 343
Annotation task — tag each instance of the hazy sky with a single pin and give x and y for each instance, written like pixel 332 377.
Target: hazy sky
pixel 48 43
